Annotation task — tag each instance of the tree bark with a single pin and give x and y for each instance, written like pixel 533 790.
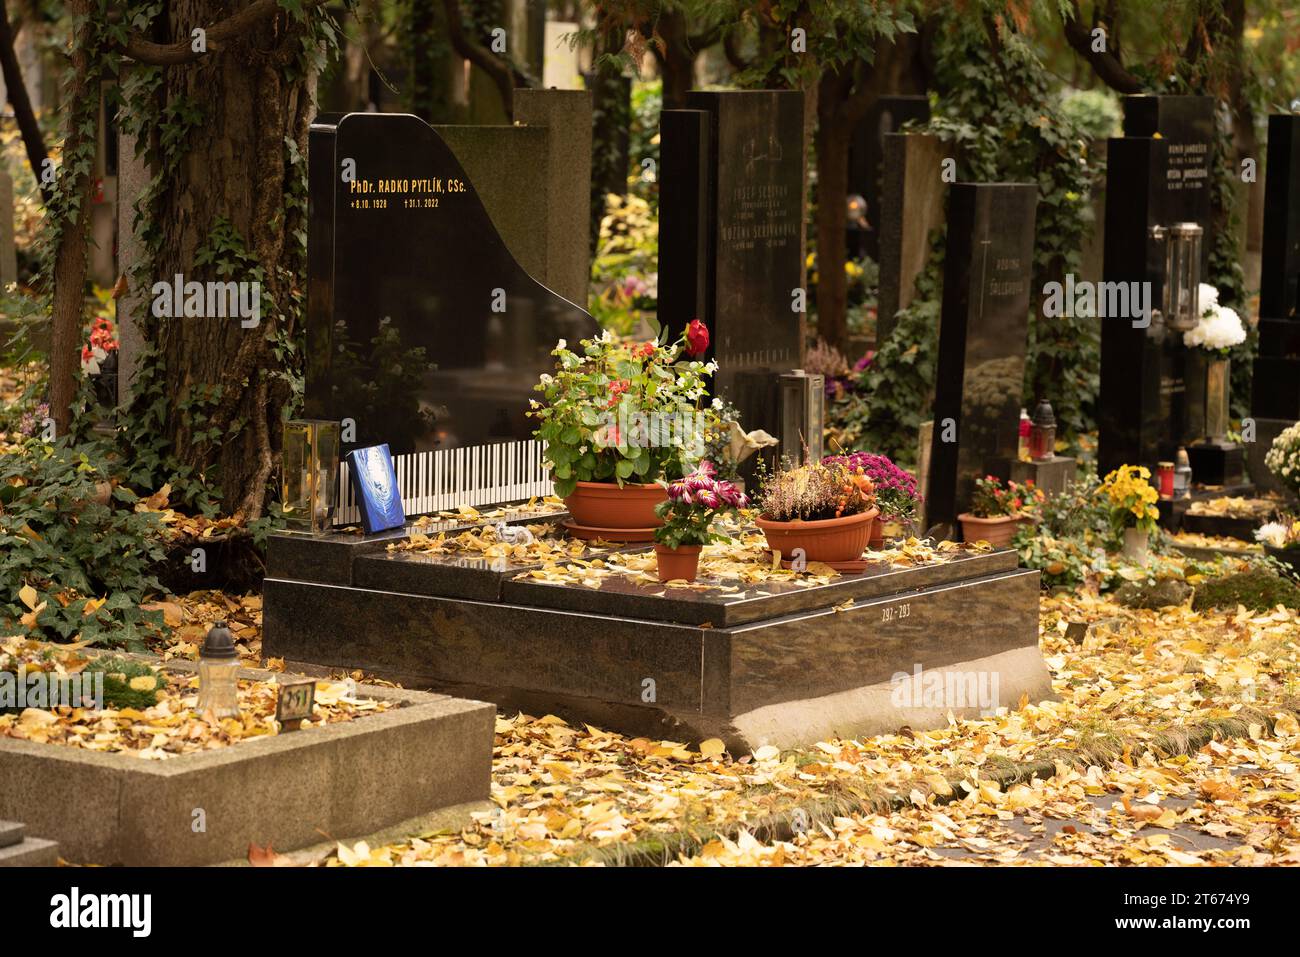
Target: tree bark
pixel 501 71
pixel 33 141
pixel 843 99
pixel 611 106
pixel 236 169
pixel 69 274
pixel 1108 63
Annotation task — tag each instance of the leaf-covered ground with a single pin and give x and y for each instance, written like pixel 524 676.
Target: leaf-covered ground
pixel 1174 742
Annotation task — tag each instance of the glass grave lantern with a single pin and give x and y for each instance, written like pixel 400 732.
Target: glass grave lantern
pixel 1182 279
pixel 310 474
pixel 1042 433
pixel 219 674
pixel 803 411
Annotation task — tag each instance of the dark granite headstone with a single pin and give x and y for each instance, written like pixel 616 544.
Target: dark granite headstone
pixel 983 336
pixel 749 199
pixel 421 327
pixel 1152 387
pixel 867 155
pixel 1275 385
pixel 1277 370
pixel 1279 286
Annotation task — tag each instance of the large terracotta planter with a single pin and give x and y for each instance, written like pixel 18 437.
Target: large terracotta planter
pixel 829 540
pixel 609 505
pixel 682 562
pixel 998 532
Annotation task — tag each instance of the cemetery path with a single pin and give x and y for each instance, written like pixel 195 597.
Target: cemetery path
pixel 1175 741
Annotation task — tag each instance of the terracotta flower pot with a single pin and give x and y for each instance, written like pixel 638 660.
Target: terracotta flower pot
pixel 998 532
pixel 877 538
pixel 608 505
pixel 682 562
pixel 829 540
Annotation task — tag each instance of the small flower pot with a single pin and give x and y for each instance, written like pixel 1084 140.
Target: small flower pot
pixel 998 531
pixel 608 505
pixel 681 563
pixel 829 540
pixel 877 538
pixel 1137 543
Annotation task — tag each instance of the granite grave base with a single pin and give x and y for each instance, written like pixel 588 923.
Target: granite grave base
pixel 779 663
pixel 1052 475
pixel 427 755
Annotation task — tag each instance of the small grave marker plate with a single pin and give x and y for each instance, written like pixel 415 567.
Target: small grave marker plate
pixel 294 703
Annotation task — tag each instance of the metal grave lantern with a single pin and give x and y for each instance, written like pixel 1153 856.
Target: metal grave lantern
pixel 1182 277
pixel 310 473
pixel 803 409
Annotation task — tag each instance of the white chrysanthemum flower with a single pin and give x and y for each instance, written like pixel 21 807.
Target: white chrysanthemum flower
pixel 1272 533
pixel 1208 296
pixel 1219 328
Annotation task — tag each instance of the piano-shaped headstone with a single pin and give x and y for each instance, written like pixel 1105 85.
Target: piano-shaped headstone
pixel 422 329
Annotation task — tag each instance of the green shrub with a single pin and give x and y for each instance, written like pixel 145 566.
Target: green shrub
pixel 72 546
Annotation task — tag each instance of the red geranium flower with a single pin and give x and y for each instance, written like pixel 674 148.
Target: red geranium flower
pixel 697 337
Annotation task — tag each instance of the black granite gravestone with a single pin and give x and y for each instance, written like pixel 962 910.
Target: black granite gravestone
pixel 1275 384
pixel 983 335
pixel 867 155
pixel 421 327
pixel 1277 370
pixel 1152 387
pixel 749 198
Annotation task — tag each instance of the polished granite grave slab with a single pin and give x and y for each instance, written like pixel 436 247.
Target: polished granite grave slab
pixel 776 664
pixel 455 575
pixel 724 603
pixel 328 558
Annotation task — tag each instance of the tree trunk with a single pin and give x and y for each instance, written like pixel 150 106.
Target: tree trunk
pixel 69 275
pixel 677 60
pixel 225 382
pixel 424 81
pixel 611 107
pixel 22 104
pixel 832 142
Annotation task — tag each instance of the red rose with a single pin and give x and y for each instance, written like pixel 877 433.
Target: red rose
pixel 697 337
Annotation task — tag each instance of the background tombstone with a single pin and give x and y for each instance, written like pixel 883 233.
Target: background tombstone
pixel 911 207
pixel 422 327
pixel 534 174
pixel 867 161
pixel 1275 397
pixel 567 115
pixel 983 337
pixel 1152 387
pixel 730 237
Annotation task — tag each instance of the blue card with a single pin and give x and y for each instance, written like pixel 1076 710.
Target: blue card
pixel 374 485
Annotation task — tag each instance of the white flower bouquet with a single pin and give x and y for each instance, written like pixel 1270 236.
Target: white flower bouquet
pixel 1283 457
pixel 1219 328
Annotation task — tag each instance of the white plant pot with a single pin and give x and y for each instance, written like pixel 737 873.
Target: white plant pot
pixel 1136 545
